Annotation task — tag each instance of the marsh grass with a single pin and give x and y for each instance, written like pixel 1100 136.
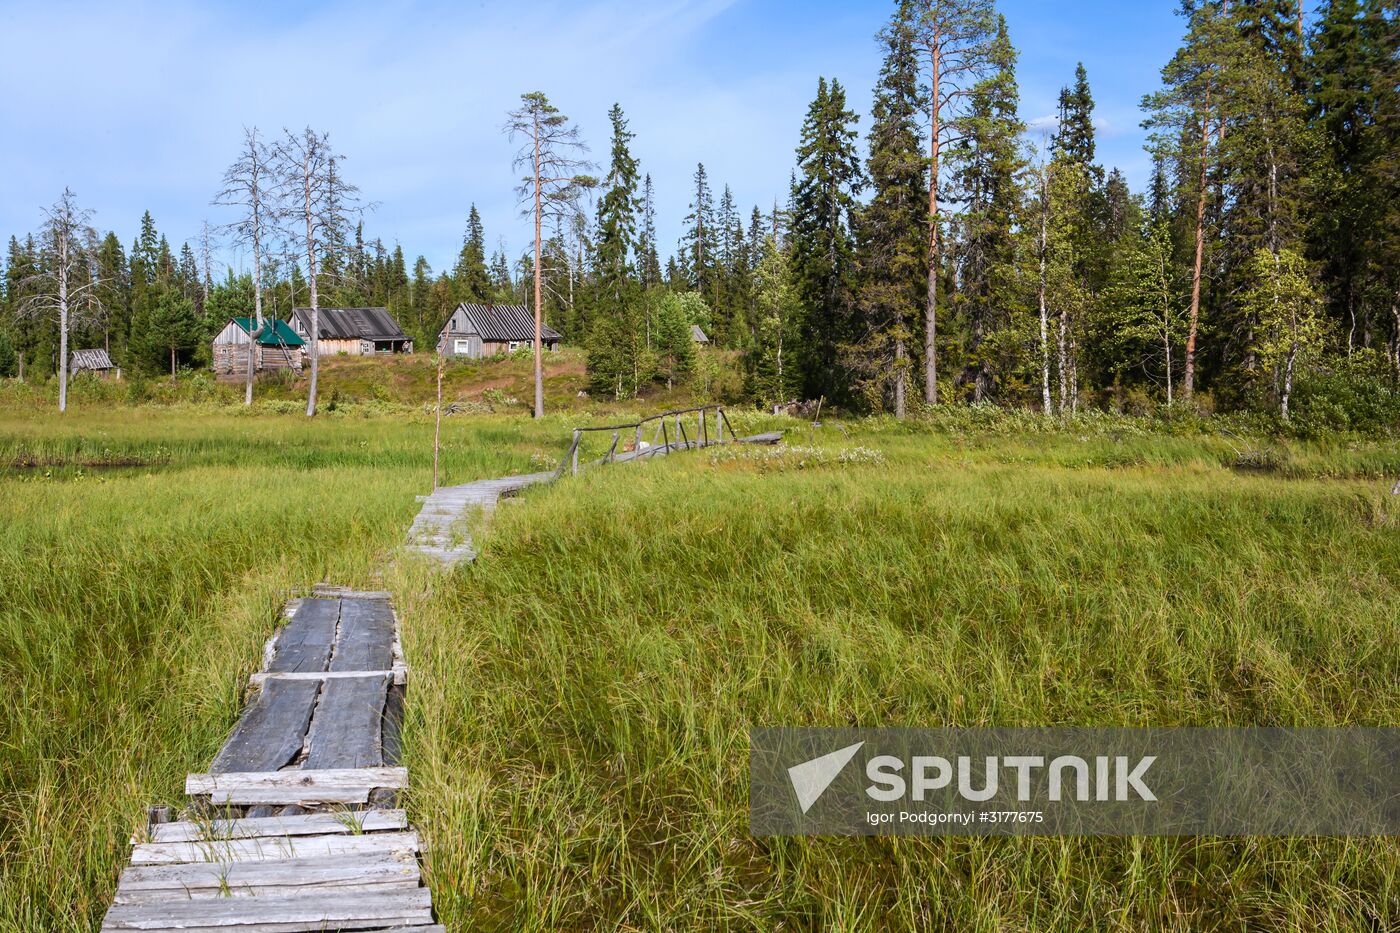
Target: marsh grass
pixel 582 694
pixel 134 603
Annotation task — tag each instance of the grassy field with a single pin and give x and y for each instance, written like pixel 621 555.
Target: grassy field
pixel 581 695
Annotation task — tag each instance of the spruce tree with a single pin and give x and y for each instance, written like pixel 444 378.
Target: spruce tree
pixel 823 260
pixel 892 272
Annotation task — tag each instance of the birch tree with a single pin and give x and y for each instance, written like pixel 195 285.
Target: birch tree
pixel 1286 305
pixel 317 199
pixel 66 284
pixel 955 36
pixel 553 151
pixel 250 185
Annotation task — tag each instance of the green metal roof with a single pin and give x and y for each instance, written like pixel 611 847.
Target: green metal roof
pixel 278 335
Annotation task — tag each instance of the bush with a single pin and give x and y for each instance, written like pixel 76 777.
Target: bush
pixel 1359 393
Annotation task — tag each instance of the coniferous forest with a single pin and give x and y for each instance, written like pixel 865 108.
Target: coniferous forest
pixel 930 253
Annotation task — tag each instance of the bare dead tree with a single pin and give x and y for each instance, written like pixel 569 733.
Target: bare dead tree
pixel 318 198
pixel 553 151
pixel 208 244
pixel 955 36
pixel 250 184
pixel 66 285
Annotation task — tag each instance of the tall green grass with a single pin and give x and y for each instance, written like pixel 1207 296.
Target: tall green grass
pixel 582 694
pixel 134 601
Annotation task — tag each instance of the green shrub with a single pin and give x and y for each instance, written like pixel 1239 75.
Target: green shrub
pixel 1359 394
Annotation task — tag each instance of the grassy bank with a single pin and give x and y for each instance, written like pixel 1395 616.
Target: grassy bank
pixel 578 734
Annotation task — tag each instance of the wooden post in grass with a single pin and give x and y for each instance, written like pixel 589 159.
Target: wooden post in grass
pixel 637 444
pixel 573 452
pixel 437 424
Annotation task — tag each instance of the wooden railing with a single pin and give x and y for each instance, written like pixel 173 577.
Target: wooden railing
pixel 670 434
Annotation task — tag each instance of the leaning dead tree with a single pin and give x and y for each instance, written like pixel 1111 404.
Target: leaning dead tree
pixel 251 185
pixel 954 37
pixel 553 152
pixel 67 283
pixel 317 200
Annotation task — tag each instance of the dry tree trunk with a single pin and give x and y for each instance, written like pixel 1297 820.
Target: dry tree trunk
pixel 1044 314
pixel 539 362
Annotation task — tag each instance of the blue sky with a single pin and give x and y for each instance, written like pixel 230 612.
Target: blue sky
pixel 149 105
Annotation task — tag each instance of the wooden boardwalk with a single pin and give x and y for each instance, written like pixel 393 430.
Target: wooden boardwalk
pixel 437 532
pixel 294 826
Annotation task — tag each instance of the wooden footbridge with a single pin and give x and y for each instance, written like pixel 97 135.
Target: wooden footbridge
pixel 296 826
pixel 437 532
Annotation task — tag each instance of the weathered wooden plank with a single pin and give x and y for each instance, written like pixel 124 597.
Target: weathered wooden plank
pixel 345 731
pixel 272 729
pixel 305 642
pixel 150 884
pixel 347 785
pixel 258 680
pixel 391 726
pixel 310 824
pixel 366 638
pixel 266 848
pixel 337 911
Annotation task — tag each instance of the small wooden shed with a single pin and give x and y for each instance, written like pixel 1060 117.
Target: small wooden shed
pixel 278 347
pixel 97 362
pixel 475 331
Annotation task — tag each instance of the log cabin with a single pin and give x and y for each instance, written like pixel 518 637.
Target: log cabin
pixel 474 331
pixel 278 347
pixel 353 331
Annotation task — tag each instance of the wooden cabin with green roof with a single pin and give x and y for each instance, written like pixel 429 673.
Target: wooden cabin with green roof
pixel 277 347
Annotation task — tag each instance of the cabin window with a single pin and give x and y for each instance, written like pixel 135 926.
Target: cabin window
pixel 461 345
pixel 514 345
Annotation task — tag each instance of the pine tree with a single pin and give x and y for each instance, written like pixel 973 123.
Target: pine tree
pixel 823 261
pixel 988 162
pixel 893 273
pixel 956 37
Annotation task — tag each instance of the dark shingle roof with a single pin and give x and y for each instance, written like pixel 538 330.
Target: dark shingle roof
pixel 280 334
pixel 506 322
pixel 91 359
pixel 353 323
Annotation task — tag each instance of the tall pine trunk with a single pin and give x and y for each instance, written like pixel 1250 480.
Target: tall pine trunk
pixel 1188 377
pixel 931 308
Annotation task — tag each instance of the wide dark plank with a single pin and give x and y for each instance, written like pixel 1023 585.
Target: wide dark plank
pixel 305 642
pixel 366 637
pixel 272 728
pixel 346 730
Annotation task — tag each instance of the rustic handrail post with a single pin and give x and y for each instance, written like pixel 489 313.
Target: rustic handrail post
pixel 637 444
pixel 680 429
pixel 719 424
pixel 574 452
pixel 700 428
pixel 665 437
pixel 613 448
